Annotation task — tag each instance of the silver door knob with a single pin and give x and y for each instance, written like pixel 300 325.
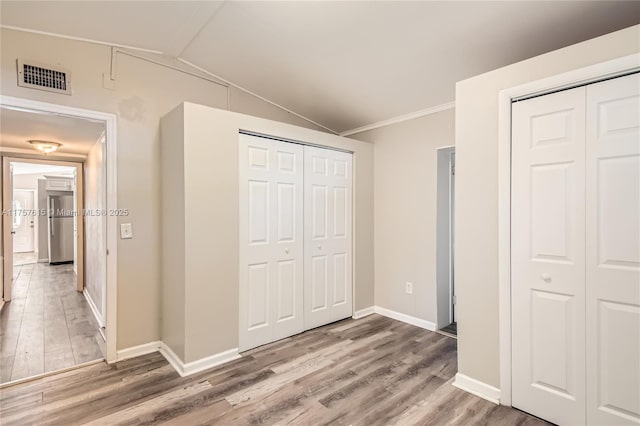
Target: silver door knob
pixel 546 277
pixel 286 250
pixel 319 247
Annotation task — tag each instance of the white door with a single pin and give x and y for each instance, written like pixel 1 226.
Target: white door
pixel 328 196
pixel 271 238
pixel 23 221
pixel 613 251
pixel 548 256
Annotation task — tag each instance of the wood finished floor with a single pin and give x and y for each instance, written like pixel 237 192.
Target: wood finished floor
pixel 372 371
pixel 47 325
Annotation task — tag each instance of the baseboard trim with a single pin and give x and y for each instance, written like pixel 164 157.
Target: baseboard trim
pixel 364 312
pixel 93 307
pixel 477 388
pixel 139 350
pixel 1 304
pixel 418 322
pixel 186 369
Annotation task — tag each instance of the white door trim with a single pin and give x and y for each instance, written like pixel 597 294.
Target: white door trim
pixel 112 233
pixel 576 77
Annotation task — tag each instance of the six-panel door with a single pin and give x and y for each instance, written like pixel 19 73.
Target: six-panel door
pixel 295 236
pixel 271 234
pixel 327 235
pixel 547 260
pixel 613 251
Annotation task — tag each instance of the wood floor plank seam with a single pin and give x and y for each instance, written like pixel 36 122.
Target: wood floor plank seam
pixel 373 371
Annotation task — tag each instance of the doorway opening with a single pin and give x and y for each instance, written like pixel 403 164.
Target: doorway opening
pixel 54 244
pixel 445 278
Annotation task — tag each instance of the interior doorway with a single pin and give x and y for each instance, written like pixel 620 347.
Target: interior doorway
pixel 54 278
pixel 445 249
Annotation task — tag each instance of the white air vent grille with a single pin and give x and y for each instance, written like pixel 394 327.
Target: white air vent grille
pixel 43 77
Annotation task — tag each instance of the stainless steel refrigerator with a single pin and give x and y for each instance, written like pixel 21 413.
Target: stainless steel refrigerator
pixel 60 208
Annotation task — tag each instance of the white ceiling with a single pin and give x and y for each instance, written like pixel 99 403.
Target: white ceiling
pixel 343 64
pixel 42 169
pixel 76 135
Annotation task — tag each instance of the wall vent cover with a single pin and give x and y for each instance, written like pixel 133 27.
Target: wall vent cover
pixel 43 77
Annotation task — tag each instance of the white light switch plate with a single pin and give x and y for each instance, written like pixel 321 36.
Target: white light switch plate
pixel 126 231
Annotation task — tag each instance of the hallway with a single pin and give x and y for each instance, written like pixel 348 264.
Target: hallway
pixel 47 326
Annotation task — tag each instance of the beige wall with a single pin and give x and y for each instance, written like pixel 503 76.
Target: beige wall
pixel 211 191
pixel 143 93
pixel 405 176
pixel 95 191
pixel 476 218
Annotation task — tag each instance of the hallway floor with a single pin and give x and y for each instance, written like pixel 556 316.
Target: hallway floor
pixel 47 325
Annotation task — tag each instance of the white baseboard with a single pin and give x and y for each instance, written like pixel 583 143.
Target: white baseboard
pixel 44 260
pixel 477 388
pixel 139 350
pixel 93 307
pixel 186 369
pixel 418 322
pixel 364 312
pixel 1 304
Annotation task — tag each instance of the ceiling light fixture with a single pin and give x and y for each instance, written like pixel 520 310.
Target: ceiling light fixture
pixel 46 147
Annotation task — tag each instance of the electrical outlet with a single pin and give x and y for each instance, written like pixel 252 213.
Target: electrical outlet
pixel 408 287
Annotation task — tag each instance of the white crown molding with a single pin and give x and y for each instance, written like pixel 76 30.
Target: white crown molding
pixel 93 308
pixel 477 388
pixel 400 119
pixel 86 40
pixel 184 61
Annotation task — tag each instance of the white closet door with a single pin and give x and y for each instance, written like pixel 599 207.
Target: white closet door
pixel 328 253
pixel 547 258
pixel 613 251
pixel 271 238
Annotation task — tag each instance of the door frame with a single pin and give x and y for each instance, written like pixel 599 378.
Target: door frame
pixel 7 159
pixel 111 251
pixel 578 77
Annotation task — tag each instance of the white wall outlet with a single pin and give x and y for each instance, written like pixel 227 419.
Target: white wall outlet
pixel 126 231
pixel 408 287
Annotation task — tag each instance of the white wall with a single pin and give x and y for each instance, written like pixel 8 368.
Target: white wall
pixel 405 185
pixel 476 267
pixel 142 93
pixel 95 272
pixel 201 262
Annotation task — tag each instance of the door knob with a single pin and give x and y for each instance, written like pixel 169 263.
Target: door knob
pixel 286 250
pixel 546 277
pixel 319 247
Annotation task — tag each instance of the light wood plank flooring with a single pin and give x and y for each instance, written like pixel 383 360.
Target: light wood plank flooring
pixel 47 325
pixel 372 371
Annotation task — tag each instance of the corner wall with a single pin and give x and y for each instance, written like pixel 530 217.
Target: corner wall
pixel 141 94
pixel 405 211
pixel 476 241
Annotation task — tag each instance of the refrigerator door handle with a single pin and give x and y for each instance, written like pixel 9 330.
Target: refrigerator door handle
pixel 53 231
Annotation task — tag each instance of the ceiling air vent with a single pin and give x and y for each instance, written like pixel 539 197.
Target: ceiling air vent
pixel 43 77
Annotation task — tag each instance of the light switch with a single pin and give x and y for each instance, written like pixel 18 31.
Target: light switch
pixel 126 231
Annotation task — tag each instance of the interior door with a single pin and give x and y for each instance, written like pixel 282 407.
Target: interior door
pixel 271 238
pixel 328 196
pixel 547 257
pixel 23 221
pixel 613 251
pixel 7 225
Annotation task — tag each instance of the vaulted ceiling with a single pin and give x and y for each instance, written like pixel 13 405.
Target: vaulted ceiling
pixel 344 64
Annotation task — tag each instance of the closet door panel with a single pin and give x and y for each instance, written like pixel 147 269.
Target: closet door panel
pixel 328 227
pixel 548 256
pixel 613 251
pixel 271 238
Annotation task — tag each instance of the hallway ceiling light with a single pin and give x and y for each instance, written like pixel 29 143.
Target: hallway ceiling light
pixel 46 147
